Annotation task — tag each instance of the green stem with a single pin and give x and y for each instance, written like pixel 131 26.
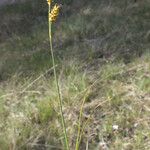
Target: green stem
pixel 79 125
pixel 57 84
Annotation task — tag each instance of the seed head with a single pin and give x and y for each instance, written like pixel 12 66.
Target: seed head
pixel 49 2
pixel 54 13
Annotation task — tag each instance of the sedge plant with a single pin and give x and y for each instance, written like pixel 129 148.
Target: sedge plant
pixel 52 15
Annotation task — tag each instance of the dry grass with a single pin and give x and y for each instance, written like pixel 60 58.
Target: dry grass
pixel 113 99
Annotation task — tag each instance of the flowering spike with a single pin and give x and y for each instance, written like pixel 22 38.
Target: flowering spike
pixel 54 13
pixel 49 2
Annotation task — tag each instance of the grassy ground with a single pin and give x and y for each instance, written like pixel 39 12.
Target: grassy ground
pixel 102 52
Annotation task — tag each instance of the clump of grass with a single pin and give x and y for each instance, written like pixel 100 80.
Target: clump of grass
pixel 45 110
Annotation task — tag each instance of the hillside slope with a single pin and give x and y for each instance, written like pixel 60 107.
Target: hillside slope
pixel 102 50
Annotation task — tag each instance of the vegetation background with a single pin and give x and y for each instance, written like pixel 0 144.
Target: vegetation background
pixel 102 48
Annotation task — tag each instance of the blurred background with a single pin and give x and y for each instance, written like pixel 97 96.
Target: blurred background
pixel 94 30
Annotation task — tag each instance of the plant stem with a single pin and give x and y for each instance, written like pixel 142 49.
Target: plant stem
pixel 57 84
pixel 79 125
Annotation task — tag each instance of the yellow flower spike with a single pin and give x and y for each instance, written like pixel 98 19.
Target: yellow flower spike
pixel 54 13
pixel 49 2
